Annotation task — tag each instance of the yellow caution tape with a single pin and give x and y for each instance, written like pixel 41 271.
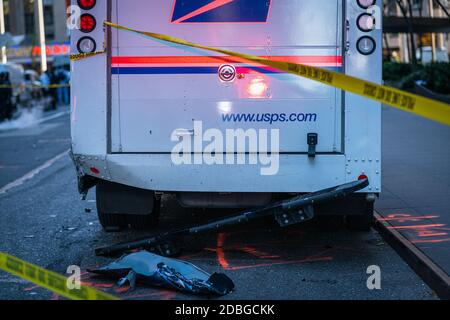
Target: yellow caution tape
pixel 425 107
pixel 49 280
pixel 79 56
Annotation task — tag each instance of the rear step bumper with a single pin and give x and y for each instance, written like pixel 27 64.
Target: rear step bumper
pixel 297 174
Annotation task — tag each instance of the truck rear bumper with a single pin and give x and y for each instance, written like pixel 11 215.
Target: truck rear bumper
pixel 296 173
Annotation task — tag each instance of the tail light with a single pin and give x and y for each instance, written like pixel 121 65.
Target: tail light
pixel 366 22
pixel 87 23
pixel 365 4
pixel 86 45
pixel 366 45
pixel 86 4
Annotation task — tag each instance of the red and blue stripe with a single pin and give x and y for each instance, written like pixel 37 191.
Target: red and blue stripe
pixel 211 64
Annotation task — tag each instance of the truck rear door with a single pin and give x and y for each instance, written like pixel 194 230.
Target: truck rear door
pixel 158 87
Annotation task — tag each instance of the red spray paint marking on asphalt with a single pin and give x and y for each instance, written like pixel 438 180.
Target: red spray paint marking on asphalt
pixel 280 263
pixel 225 264
pixel 257 253
pixel 418 227
pixel 220 254
pixel 433 241
pixel 406 217
pixel 431 233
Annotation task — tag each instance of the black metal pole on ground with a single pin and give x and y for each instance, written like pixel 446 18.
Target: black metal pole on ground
pixel 287 212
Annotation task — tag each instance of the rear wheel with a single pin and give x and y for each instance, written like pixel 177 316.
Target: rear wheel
pixel 120 207
pixel 361 222
pixel 112 222
pixel 364 220
pixel 144 222
pixel 357 210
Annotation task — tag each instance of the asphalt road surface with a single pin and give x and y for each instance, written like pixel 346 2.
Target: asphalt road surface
pixel 44 222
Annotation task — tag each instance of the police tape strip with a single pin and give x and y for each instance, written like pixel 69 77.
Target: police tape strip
pixel 425 107
pixel 49 280
pixel 79 56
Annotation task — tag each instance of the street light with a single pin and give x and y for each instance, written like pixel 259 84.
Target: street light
pixel 2 32
pixel 40 8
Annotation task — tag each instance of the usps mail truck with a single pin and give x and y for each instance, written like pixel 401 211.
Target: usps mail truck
pixel 149 117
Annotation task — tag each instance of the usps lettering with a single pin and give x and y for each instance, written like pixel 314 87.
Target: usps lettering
pixel 221 11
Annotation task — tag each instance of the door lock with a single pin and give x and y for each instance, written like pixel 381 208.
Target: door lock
pixel 313 139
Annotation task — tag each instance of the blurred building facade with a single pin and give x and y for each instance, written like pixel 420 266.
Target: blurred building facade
pixel 419 27
pixel 425 20
pixel 21 20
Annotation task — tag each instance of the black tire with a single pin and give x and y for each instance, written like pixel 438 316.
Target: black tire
pixel 120 207
pixel 362 222
pixel 112 222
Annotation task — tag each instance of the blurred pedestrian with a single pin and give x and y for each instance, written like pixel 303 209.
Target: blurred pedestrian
pixel 45 82
pixel 52 90
pixel 63 90
pixel 44 78
pixel 6 93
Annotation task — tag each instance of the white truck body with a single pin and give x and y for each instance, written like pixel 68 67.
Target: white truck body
pixel 128 104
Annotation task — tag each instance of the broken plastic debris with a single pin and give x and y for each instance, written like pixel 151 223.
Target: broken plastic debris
pixel 151 269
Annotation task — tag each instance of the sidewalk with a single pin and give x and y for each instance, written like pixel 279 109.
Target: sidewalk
pixel 416 182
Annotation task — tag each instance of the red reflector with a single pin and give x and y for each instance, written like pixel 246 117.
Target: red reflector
pixel 87 23
pixel 363 177
pixel 86 4
pixel 94 170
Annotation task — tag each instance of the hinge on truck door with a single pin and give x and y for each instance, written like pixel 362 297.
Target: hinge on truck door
pixel 347 33
pixel 313 140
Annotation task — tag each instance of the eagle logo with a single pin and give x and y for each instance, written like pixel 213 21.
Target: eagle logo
pixel 221 11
